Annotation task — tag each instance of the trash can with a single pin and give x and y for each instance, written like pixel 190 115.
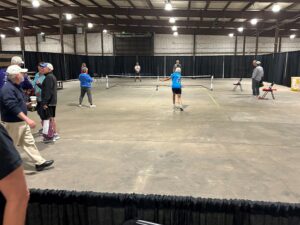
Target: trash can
pixel 295 84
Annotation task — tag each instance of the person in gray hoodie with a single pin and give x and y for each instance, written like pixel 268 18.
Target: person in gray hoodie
pixel 257 76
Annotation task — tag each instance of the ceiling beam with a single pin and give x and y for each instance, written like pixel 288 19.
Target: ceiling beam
pixel 252 1
pixel 131 29
pixel 150 12
pixel 162 23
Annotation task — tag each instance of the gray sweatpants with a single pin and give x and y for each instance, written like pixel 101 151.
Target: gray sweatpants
pixel 89 94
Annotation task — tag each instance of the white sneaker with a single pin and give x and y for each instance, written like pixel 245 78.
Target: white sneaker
pixel 92 106
pixel 56 137
pixel 80 106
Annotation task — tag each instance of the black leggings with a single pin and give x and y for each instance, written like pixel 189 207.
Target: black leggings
pixel 89 94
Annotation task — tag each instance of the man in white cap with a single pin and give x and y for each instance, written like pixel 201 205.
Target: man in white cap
pixel 14 116
pixel 257 76
pixel 49 100
pixel 15 60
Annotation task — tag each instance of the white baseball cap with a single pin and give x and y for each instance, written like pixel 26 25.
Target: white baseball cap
pixel 258 62
pixel 16 60
pixel 48 65
pixel 15 69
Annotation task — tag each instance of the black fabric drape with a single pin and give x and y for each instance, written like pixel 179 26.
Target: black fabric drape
pixel 185 61
pixel 48 207
pixel 293 67
pixel 68 66
pixel 209 65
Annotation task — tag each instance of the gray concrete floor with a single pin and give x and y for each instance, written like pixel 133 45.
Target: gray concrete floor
pixel 224 145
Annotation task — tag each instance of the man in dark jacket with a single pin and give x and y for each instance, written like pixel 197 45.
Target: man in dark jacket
pixel 14 116
pixel 49 98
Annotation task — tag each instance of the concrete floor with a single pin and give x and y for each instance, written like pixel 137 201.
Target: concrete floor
pixel 224 145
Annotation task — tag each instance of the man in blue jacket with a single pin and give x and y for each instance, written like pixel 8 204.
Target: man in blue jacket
pixel 86 86
pixel 14 116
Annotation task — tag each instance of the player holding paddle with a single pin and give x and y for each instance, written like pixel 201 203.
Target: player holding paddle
pixel 176 88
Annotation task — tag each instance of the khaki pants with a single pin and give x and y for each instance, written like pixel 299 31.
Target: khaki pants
pixel 22 137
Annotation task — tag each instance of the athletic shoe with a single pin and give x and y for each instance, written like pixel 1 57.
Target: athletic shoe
pixel 92 106
pixel 56 137
pixel 48 140
pixel 80 106
pixel 181 109
pixel 44 165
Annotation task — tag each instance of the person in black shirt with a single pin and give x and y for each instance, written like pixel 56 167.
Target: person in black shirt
pixel 12 181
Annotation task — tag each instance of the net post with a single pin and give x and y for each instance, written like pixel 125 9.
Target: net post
pixel 107 85
pixel 211 83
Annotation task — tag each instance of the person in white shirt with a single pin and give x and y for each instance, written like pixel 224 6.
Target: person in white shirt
pixel 137 70
pixel 257 76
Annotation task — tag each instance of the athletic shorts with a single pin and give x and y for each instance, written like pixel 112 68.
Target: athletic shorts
pixel 176 91
pixel 9 156
pixel 52 111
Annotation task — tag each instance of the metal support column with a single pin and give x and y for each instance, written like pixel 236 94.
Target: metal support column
pixel 256 44
pixel 37 43
pixel 279 47
pixel 74 44
pixel 235 45
pixel 85 42
pixel 244 45
pixel 20 19
pixel 276 39
pixel 194 55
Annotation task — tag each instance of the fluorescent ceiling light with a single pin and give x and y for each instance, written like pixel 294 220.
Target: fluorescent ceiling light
pixel 240 29
pixel 174 28
pixel 90 25
pixel 231 35
pixel 35 3
pixel 69 16
pixel 175 33
pixel 254 21
pixel 17 29
pixel 172 20
pixel 276 8
pixel 292 36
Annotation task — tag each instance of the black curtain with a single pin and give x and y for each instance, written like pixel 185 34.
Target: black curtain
pixel 278 67
pixel 293 67
pixel 151 65
pixel 209 65
pixel 185 61
pixel 48 207
pixel 124 65
pixel 238 66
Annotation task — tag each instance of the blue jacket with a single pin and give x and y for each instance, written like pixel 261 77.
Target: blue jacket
pixel 12 102
pixel 85 80
pixel 2 77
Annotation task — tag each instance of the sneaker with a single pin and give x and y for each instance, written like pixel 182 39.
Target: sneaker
pixel 44 165
pixel 56 137
pixel 92 106
pixel 181 109
pixel 80 106
pixel 48 140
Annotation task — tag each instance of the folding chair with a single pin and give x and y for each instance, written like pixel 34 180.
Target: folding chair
pixel 238 84
pixel 270 89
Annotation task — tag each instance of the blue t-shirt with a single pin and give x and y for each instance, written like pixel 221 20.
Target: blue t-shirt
pixel 37 89
pixel 176 80
pixel 85 80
